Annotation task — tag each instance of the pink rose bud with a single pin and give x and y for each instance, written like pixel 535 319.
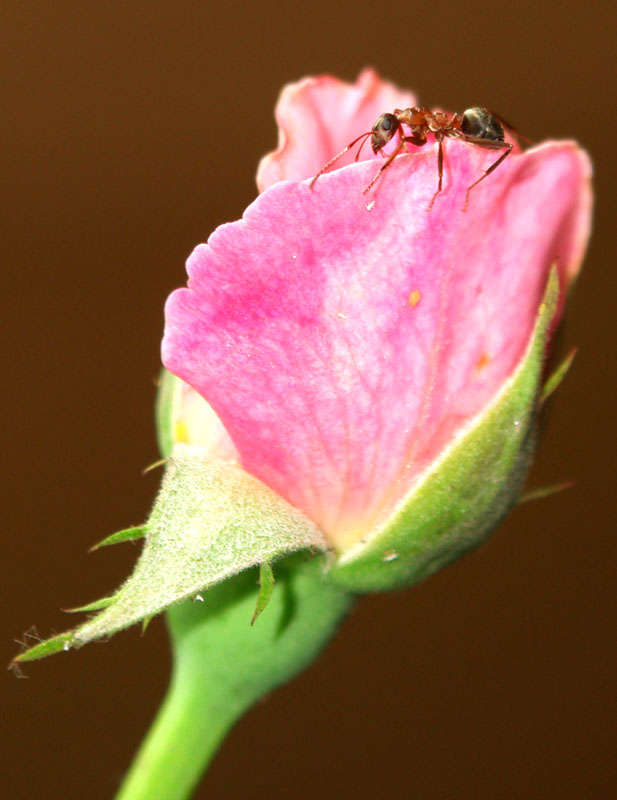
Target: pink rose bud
pixel 376 364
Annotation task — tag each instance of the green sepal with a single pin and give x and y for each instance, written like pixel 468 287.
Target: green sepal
pixel 56 644
pixel 461 498
pixel 544 491
pixel 126 535
pixel 97 605
pixel 168 399
pixel 266 587
pixel 210 521
pixel 556 377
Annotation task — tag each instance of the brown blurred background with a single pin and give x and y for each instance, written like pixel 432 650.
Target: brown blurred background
pixel 130 130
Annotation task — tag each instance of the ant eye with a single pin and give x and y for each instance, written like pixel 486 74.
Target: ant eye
pixel 386 123
pixel 481 124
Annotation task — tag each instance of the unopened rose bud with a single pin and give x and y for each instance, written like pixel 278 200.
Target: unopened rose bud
pixel 359 362
pixel 378 365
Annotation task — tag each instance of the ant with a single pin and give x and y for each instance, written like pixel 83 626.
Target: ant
pixel 475 126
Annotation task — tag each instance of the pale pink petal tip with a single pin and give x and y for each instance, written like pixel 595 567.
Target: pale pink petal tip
pixel 345 338
pixel 317 117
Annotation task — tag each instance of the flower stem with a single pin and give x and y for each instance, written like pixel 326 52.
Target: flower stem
pixel 186 734
pixel 222 665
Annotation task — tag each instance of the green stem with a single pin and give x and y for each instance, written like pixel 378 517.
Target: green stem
pixel 185 735
pixel 222 665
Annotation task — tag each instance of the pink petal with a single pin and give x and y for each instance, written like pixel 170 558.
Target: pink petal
pixel 318 117
pixel 345 338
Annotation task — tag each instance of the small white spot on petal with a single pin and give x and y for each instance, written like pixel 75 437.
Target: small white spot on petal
pixel 370 206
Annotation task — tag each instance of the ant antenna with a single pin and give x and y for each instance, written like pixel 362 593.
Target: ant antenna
pixel 366 135
pixel 342 153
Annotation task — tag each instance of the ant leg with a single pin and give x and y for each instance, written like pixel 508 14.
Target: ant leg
pixel 338 155
pixel 385 164
pixel 417 139
pixel 494 165
pixel 439 171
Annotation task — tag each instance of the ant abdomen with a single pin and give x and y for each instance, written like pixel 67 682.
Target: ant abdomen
pixel 481 124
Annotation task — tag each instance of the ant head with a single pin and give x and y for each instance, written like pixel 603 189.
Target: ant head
pixel 383 130
pixel 481 124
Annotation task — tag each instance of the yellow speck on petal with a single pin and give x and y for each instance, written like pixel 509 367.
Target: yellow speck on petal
pixel 181 433
pixel 414 298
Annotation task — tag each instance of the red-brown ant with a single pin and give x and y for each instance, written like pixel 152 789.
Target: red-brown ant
pixel 474 126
